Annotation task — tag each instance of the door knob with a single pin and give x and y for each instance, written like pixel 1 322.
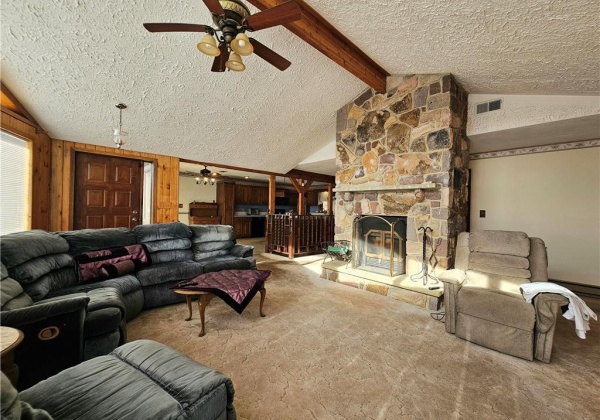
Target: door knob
pixel 134 219
pixel 135 212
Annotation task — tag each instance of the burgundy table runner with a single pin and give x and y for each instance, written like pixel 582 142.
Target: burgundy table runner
pixel 235 287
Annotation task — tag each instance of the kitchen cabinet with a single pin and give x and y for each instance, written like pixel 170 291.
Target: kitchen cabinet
pixel 312 198
pixel 249 194
pixel 226 202
pixel 242 227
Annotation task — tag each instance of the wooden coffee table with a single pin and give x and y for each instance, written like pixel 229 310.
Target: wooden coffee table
pixel 10 338
pixel 204 299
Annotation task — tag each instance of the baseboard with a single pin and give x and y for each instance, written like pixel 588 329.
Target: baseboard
pixel 580 289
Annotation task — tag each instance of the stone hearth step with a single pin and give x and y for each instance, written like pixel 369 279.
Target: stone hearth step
pixel 400 287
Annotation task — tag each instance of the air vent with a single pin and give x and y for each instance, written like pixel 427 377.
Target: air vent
pixel 489 106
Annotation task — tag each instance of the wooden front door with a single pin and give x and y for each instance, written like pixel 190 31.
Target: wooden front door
pixel 108 191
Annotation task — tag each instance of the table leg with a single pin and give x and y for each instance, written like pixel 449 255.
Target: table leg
pixel 188 300
pixel 203 301
pixel 263 293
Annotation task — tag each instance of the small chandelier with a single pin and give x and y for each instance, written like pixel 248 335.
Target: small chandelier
pixel 119 135
pixel 205 177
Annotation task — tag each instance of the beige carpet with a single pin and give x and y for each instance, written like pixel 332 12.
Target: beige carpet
pixel 328 351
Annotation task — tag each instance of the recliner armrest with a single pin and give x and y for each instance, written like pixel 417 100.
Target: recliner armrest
pixel 105 297
pixel 454 276
pixel 242 251
pixel 545 309
pixel 44 310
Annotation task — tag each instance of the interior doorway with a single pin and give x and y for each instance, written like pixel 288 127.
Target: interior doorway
pixel 108 191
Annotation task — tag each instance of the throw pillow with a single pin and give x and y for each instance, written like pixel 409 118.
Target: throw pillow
pixel 109 263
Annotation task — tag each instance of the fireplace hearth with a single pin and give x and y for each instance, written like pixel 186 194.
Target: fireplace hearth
pixel 379 244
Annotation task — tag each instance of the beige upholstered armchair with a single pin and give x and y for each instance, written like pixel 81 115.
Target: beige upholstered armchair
pixel 482 299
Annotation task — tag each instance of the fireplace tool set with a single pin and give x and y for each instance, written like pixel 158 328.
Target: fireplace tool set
pixel 425 274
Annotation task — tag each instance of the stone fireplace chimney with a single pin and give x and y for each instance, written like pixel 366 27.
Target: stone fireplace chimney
pixel 405 153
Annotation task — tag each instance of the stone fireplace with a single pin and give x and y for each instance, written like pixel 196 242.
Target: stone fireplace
pixel 405 153
pixel 379 244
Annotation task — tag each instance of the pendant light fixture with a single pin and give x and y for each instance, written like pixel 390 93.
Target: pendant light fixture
pixel 208 46
pixel 119 136
pixel 235 62
pixel 241 45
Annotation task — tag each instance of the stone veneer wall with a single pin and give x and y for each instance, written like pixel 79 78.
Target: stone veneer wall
pixel 413 134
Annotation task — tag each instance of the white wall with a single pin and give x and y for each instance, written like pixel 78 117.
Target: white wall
pixel 554 196
pixel 189 192
pixel 525 110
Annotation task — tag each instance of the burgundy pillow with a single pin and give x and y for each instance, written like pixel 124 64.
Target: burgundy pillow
pixel 109 263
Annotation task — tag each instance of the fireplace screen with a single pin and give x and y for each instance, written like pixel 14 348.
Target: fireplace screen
pixel 379 244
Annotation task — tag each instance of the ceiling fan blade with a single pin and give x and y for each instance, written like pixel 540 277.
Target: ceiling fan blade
pixel 220 60
pixel 278 15
pixel 214 6
pixel 175 27
pixel 269 55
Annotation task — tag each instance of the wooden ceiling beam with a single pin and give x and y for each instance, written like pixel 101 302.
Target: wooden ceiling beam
pixel 295 173
pixel 318 32
pixel 9 102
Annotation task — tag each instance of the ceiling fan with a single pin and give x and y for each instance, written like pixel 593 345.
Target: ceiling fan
pixel 233 19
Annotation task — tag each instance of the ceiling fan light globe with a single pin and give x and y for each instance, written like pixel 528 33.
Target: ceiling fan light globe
pixel 208 46
pixel 235 63
pixel 241 45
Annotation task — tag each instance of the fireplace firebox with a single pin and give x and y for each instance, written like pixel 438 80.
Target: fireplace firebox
pixel 379 244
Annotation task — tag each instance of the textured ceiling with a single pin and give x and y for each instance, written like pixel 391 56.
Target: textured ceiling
pixel 508 46
pixel 70 61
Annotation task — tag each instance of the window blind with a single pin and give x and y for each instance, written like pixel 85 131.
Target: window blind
pixel 14 184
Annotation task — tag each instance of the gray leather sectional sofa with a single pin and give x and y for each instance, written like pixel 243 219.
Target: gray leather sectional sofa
pixel 42 293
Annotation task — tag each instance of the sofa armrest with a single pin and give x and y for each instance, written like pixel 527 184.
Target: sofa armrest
pixel 454 276
pixel 547 307
pixel 105 297
pixel 53 336
pixel 453 280
pixel 242 251
pixel 44 310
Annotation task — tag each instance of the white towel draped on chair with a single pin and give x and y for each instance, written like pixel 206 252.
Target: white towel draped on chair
pixel 578 310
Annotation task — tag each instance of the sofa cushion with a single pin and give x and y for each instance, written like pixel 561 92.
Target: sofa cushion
pixel 171 256
pixel 32 270
pixel 225 262
pixel 166 242
pixel 212 240
pixel 125 285
pixel 111 263
pixel 499 242
pixel 18 248
pixel 86 240
pixel 161 231
pixel 168 272
pixel 495 283
pixel 55 280
pixel 505 265
pixel 496 307
pixel 12 295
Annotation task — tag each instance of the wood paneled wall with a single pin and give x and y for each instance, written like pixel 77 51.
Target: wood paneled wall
pixel 166 181
pixel 40 148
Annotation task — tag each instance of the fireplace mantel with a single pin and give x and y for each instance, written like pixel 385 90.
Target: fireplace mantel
pixel 367 188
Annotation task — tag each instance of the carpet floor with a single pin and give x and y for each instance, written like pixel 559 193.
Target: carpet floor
pixel 328 351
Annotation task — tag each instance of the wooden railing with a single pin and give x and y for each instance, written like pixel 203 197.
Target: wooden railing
pixel 294 236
